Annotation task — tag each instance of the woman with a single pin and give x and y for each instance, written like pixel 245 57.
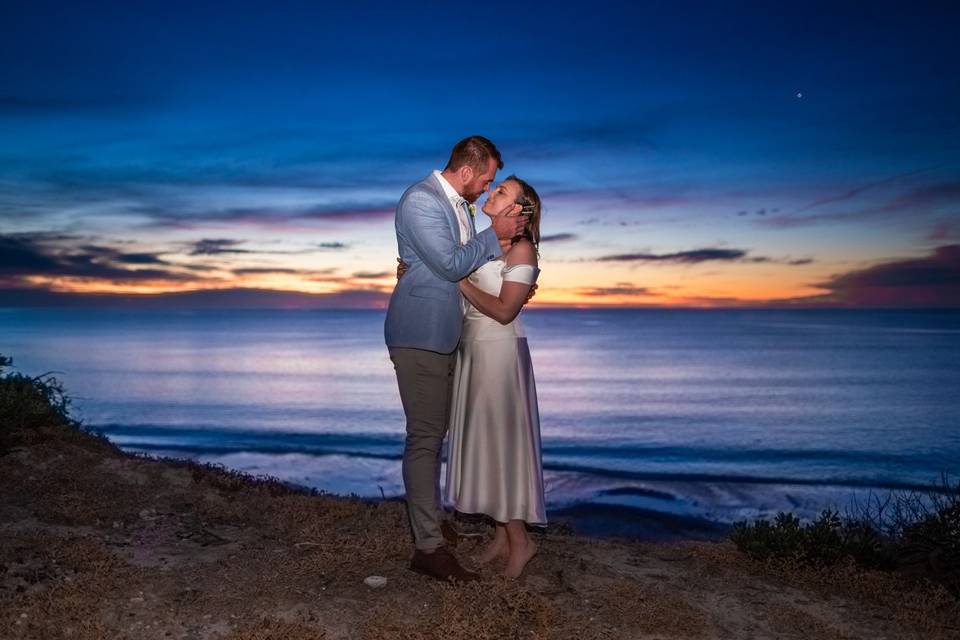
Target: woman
pixel 493 463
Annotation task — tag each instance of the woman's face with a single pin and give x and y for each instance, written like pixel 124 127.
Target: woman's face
pixel 500 197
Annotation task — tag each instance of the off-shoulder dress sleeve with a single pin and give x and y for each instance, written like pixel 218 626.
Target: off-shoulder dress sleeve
pixel 522 273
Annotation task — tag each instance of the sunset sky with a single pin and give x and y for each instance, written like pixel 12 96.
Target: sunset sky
pixel 715 154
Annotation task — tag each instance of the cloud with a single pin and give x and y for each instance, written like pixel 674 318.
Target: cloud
pixel 221 246
pixel 348 214
pixel 372 275
pixel 932 281
pixel 24 255
pixel 697 256
pixel 19 255
pixel 315 275
pixel 234 298
pixel 558 237
pixel 619 290
pixel 199 267
pixel 847 195
pixel 763 211
pixel 211 247
pixel 251 271
pixel 924 199
pixel 278 218
pixel 944 231
pixel 684 257
pixel 139 258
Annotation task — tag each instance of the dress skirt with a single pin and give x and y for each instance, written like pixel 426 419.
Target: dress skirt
pixel 494 454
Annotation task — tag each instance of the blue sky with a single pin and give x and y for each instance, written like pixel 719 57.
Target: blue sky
pixel 687 153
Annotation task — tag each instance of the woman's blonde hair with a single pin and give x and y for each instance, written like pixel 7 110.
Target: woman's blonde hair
pixel 530 201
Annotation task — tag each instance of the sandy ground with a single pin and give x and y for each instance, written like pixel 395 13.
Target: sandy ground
pixel 95 543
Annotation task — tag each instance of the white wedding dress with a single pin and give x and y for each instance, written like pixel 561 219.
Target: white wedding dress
pixel 493 458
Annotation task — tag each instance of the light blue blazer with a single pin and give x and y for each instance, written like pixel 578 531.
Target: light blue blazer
pixel 425 309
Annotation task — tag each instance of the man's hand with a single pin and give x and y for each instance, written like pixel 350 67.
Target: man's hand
pixel 510 210
pixel 401 268
pixel 533 292
pixel 508 224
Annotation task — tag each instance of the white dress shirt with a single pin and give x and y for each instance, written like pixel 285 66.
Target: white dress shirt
pixel 459 207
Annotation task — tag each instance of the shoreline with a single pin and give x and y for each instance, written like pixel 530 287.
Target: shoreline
pixel 636 504
pixel 592 518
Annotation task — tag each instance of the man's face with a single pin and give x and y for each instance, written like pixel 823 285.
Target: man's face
pixel 480 183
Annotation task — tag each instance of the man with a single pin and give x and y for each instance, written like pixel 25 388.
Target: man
pixel 437 238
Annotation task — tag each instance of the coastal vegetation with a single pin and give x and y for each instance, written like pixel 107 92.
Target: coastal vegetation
pixel 915 535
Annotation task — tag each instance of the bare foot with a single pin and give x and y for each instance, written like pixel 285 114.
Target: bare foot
pixel 498 548
pixel 518 560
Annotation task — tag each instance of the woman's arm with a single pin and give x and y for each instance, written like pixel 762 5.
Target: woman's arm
pixel 504 307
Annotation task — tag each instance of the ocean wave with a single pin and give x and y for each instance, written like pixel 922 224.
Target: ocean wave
pixel 719 478
pixel 567 457
pixel 221 440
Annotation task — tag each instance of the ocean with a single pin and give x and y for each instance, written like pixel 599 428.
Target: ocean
pixel 701 415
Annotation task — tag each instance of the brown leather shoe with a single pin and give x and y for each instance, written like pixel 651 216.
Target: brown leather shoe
pixel 449 533
pixel 442 565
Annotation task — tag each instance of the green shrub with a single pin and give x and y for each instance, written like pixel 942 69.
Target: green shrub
pixel 821 543
pixel 930 548
pixel 916 535
pixel 28 403
pixel 782 538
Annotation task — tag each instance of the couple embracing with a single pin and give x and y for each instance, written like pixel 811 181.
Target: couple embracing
pixel 462 361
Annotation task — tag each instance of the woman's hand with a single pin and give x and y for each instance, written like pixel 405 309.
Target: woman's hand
pixel 401 268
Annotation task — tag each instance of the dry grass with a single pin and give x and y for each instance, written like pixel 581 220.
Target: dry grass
pixel 62 611
pixel 787 621
pixel 922 610
pixel 268 629
pixel 480 611
pixel 650 608
pixel 71 579
pixel 499 609
pixel 99 544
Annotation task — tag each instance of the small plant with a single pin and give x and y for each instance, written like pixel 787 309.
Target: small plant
pixel 930 548
pixel 916 535
pixel 822 543
pixel 28 403
pixel 763 540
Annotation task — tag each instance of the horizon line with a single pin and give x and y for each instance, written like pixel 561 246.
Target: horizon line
pixel 234 298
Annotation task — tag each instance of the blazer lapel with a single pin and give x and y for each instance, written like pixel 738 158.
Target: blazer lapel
pixel 441 195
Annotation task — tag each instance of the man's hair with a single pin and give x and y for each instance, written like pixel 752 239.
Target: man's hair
pixel 474 152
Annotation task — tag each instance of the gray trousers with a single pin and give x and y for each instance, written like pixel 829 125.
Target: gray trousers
pixel 425 379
